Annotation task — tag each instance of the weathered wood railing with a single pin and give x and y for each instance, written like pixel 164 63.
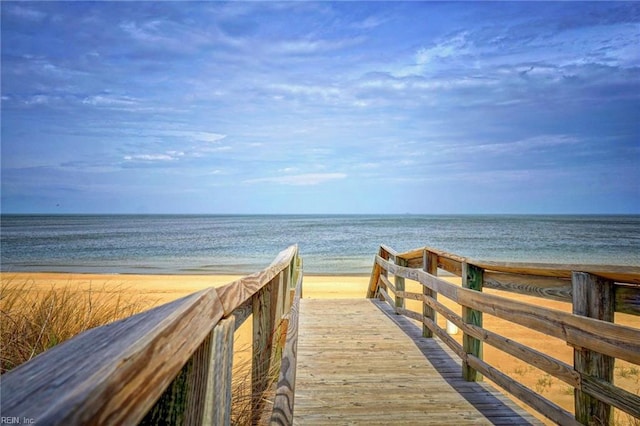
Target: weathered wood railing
pixel 169 365
pixel 596 293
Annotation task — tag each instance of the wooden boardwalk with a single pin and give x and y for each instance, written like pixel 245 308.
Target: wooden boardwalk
pixel 359 363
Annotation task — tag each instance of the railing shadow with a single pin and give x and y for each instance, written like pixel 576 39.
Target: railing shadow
pixel 496 409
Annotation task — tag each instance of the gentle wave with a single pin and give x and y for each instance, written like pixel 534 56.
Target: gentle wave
pixel 340 244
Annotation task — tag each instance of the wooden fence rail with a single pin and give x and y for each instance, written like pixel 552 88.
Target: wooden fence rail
pixel 169 365
pixel 595 292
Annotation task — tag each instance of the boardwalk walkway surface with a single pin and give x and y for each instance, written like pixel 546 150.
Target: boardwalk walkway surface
pixel 359 363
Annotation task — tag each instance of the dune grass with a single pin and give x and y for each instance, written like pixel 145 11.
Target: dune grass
pixel 34 319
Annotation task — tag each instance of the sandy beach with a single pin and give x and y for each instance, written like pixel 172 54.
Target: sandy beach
pixel 159 289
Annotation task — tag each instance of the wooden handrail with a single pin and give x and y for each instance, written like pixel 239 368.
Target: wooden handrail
pixel 624 274
pixel 114 374
pixel 595 292
pixel 282 413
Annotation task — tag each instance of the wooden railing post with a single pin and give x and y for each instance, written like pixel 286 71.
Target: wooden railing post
pixel 201 392
pixel 472 278
pixel 372 290
pixel 264 323
pixel 592 297
pixel 216 401
pixel 283 404
pixel 430 266
pixel 385 255
pixel 399 282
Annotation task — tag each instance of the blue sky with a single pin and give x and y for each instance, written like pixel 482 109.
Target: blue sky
pixel 320 107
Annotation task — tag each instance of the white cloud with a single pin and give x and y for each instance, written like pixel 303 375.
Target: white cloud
pixel 300 180
pixel 210 137
pixel 101 100
pixel 289 170
pixel 325 92
pixel 535 143
pixel 369 23
pixel 297 47
pixel 169 156
pixel 428 58
pixel 39 100
pixel 27 13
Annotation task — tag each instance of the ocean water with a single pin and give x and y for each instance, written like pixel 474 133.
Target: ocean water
pixel 185 244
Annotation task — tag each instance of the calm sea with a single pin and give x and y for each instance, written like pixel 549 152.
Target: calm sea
pixel 179 244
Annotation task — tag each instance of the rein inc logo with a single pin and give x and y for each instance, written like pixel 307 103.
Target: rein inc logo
pixel 17 420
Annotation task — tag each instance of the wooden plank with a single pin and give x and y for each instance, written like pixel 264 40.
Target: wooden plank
pixel 472 279
pixel 387 298
pixel 524 394
pixel 592 297
pixel 613 395
pixel 283 406
pixel 201 393
pixel 218 411
pixel 542 405
pixel 529 355
pixel 446 261
pixel 621 274
pixel 373 280
pixel 610 339
pixel 430 262
pixel 264 324
pixel 452 266
pixel 388 285
pixel 434 283
pixel 399 283
pixel 238 292
pixel 452 263
pixel 627 299
pixel 279 331
pixel 115 373
pixel 344 377
pixel 242 312
pixel 552 288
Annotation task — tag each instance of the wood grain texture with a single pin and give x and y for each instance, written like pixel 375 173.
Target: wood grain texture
pixel 283 406
pixel 610 339
pixel 531 356
pixel 551 288
pixel 238 292
pixel 430 266
pixel 372 289
pixel 625 274
pixel 264 323
pixel 611 394
pixel 217 396
pixel 622 274
pixel 241 313
pixel 627 299
pixel 356 365
pixel 111 374
pixel 115 373
pixel 627 277
pixel 391 288
pixel 592 297
pixel 524 394
pixel 398 282
pixel 472 279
